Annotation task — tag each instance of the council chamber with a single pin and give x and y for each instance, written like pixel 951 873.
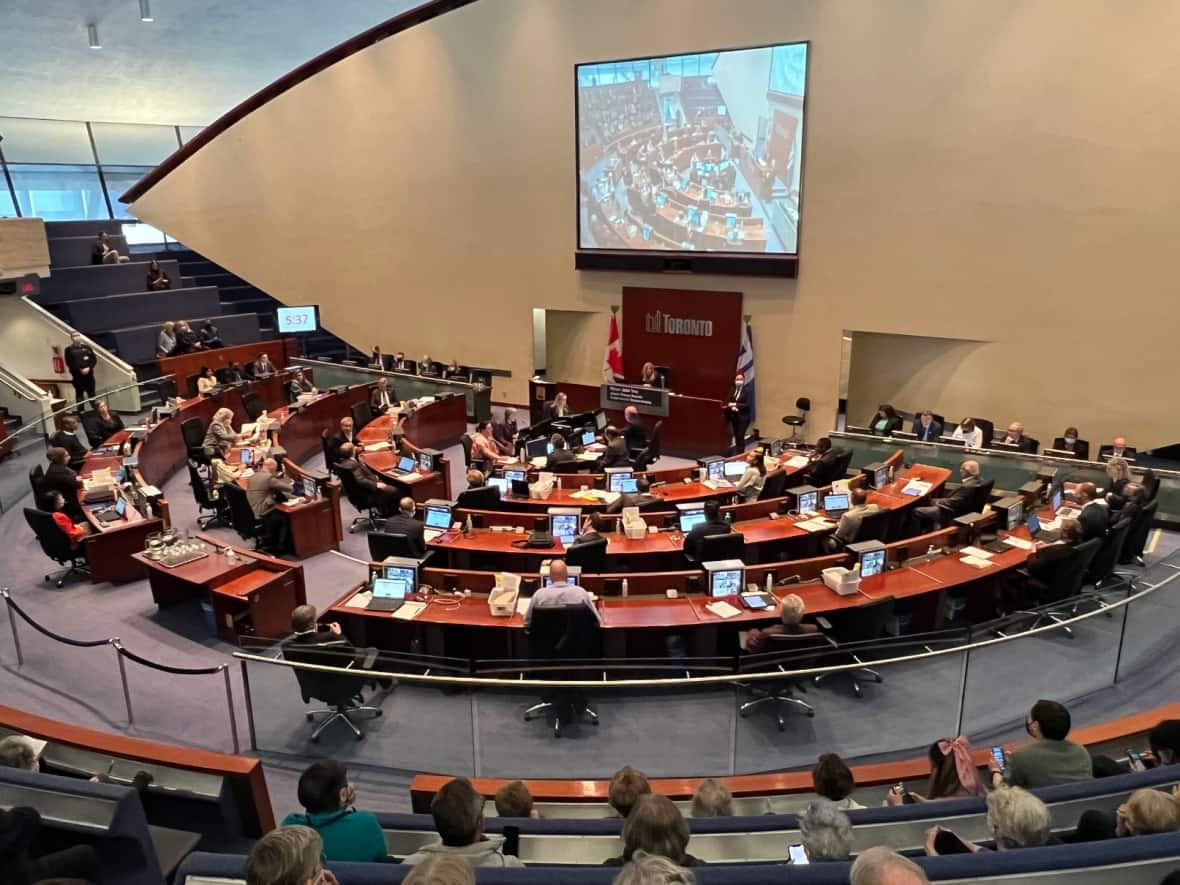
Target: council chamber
pixel 665 444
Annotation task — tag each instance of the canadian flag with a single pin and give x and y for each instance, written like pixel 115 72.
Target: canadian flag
pixel 612 358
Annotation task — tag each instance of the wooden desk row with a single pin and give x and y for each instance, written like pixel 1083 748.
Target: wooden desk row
pixel 187 364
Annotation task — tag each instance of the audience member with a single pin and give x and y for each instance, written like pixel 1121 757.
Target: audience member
pixel 956 503
pixel 67 438
pixel 1015 818
pixel 210 335
pixel 17 751
pixel 852 518
pixel 329 801
pixel 166 340
pixel 105 422
pixel 513 799
pixel 826 833
pixel 927 427
pixel 1069 442
pixel 1050 759
pixel 60 478
pixel 1145 812
pixel 380 492
pixel 263 491
pixel 405 522
pixel 832 779
pixel 458 816
pixel 712 799
pixel 651 869
pixel 504 432
pixel 187 341
pixel 80 361
pixel 1164 741
pixel 157 277
pixel 441 869
pixel 953 774
pixel 627 785
pixel 206 381
pixel 380 400
pixel 971 435
pixel 559 455
pixel 885 420
pixel 288 856
pixel 104 253
pixel 1094 514
pixel 713 525
pixel 754 477
pixel 559 592
pixel 791 608
pixel 883 866
pixel 20 828
pixel 656 826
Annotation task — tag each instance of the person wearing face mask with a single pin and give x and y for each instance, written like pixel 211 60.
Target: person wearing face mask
pixel 1069 442
pixel 328 799
pixel 81 360
pixel 1050 759
pixel 737 412
pixel 958 502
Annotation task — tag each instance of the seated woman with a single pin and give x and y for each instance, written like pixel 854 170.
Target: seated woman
pixel 1015 817
pixel 105 422
pixel 166 342
pixel 482 447
pixel 75 531
pixel 750 485
pixel 1164 741
pixel 157 279
pixel 953 774
pixel 832 779
pixel 1118 471
pixel 826 833
pixel 791 611
pixel 1145 812
pixel 885 421
pixel 649 377
pixel 1069 442
pixel 206 381
pixel 655 826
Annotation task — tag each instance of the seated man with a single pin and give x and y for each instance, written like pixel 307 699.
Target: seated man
pixel 1094 516
pixel 1041 568
pixel 1117 448
pixel 59 477
pixel 850 522
pixel 344 435
pixel 75 531
pixel 210 335
pixel 641 498
pixel 1050 759
pixel 329 640
pixel 927 427
pixel 454 372
pixel 713 525
pixel 380 400
pixel 404 522
pixel 19 831
pixel 822 464
pixel 105 422
pixel 264 490
pixel 67 438
pixel 298 386
pixel 263 367
pixel 559 592
pixel 791 608
pixel 458 816
pixel 400 363
pixel 1015 437
pixel 560 454
pixel 382 494
pixel 427 367
pixel 958 502
pixel 328 800
pixel 504 432
pixel 233 373
pixel 595 527
pixel 971 435
pixel 616 454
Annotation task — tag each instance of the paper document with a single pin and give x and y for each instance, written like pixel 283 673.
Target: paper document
pixel 797 461
pixel 976 561
pixel 717 484
pixel 409 610
pixel 359 600
pixel 723 609
pixel 1013 541
pixel 1051 525
pixel 818 524
pixel 977 552
pixel 916 488
pixel 377 446
pixel 522 604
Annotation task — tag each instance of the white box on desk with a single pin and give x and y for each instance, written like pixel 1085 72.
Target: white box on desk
pixel 844 582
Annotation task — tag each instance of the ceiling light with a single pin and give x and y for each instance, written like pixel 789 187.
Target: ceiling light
pixel 92 33
pixel 145 11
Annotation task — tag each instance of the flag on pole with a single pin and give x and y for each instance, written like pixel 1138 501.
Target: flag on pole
pixel 745 365
pixel 612 358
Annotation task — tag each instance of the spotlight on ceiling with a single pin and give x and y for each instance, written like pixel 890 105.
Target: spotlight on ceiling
pixel 92 34
pixel 145 11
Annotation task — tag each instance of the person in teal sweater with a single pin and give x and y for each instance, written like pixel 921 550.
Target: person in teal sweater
pixel 328 797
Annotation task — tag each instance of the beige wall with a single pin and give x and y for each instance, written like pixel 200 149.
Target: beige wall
pixel 988 169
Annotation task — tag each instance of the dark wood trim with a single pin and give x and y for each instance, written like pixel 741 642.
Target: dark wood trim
pixel 305 71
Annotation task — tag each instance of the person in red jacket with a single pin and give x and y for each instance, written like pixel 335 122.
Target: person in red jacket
pixel 75 531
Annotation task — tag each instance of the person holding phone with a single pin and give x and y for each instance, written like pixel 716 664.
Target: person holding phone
pixel 826 834
pixel 953 774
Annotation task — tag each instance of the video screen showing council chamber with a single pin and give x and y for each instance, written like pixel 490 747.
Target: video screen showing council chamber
pixel 697 152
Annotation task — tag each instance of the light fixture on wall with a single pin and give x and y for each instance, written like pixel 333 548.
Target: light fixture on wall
pixel 145 11
pixel 92 35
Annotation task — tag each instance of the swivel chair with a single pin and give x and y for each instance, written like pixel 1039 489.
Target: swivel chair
pixel 786 652
pixel 652 451
pixel 241 514
pixel 851 630
pixel 253 403
pixel 212 507
pixel 802 407
pixel 774 486
pixel 362 414
pixel 382 545
pixel 56 545
pixel 192 430
pixel 570 634
pixel 590 555
pixel 1136 541
pixel 359 498
pixel 711 548
pixel 340 690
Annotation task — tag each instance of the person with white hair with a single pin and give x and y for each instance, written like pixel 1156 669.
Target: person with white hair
pixel 220 435
pixel 958 502
pixel 1015 817
pixel 288 856
pixel 791 610
pixel 883 866
pixel 826 833
pixel 652 869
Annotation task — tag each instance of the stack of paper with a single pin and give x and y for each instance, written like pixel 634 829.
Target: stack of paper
pixel 723 609
pixel 816 524
pixel 409 610
pixel 377 446
pixel 976 561
pixel 797 461
pixel 1013 541
pixel 977 552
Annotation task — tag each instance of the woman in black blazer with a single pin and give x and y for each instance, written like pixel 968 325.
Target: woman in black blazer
pixel 885 421
pixel 1069 442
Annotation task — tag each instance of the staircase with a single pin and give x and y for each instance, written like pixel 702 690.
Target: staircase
pixel 239 296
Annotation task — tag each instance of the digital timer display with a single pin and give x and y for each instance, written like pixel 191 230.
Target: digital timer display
pixel 296 320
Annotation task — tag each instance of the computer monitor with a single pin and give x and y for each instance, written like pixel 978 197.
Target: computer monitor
pixel 725 577
pixel 398 582
pixel 948 440
pixel 537 447
pixel 806 499
pixel 245 455
pixel 629 485
pixel 1015 514
pixel 1011 511
pixel 426 461
pixel 735 468
pixel 309 487
pixel 589 437
pixel 514 474
pixel 834 504
pixel 716 469
pixel 120 506
pixel 615 475
pixel 691 517
pixel 730 219
pixel 1056 498
pixel 1034 524
pixel 881 477
pixel 872 562
pixel 600 420
pixel 499 483
pixel 438 516
pixel 406 464
pixel 564 523
pixel 574 573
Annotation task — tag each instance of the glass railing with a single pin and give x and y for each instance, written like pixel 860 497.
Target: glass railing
pixel 451 715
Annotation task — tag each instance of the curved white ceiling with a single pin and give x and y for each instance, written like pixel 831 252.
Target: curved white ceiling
pixel 197 59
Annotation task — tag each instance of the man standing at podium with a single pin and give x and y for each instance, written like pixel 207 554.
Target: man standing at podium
pixel 737 412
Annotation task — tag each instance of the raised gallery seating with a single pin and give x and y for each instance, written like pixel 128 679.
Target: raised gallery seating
pixel 137 344
pixel 69 283
pixel 75 251
pixel 119 311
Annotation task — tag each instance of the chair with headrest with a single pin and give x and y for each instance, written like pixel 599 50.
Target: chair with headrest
pixel 711 548
pixel 652 451
pixel 56 545
pixel 212 506
pixel 362 414
pixel 360 498
pixel 564 633
pixel 872 527
pixel 589 555
pixel 1137 536
pixel 340 689
pixel 253 404
pixel 382 545
pixel 241 514
pixel 851 629
pixel 784 652
pixel 36 476
pixel 988 428
pixel 192 430
pixel 802 407
pixel 479 498
pixel 774 486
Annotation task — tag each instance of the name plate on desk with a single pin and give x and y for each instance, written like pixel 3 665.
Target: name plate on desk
pixel 648 400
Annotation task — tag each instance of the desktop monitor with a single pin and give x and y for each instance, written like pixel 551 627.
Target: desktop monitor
pixel 600 420
pixel 1011 511
pixel 120 506
pixel 428 459
pixel 881 477
pixel 438 516
pixel 537 447
pixel 564 523
pixel 406 464
pixel 835 504
pixel 629 485
pixel 500 484
pixel 725 577
pixel 245 455
pixel 735 468
pixel 574 571
pixel 516 475
pixel 872 562
pixel 716 469
pixel 615 475
pixel 806 499
pixel 309 487
pixel 401 569
pixel 691 515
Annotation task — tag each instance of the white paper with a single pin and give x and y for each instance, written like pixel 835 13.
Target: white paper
pixel 797 461
pixel 976 561
pixel 977 552
pixel 409 610
pixel 723 609
pixel 1013 541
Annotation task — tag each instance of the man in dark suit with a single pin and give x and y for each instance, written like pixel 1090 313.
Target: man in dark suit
pixel 60 478
pixel 1015 437
pixel 1040 570
pixel 427 367
pixel 504 432
pixel 634 434
pixel 822 464
pixel 737 412
pixel 263 367
pixel 67 438
pixel 381 493
pixel 955 504
pixel 1094 516
pixel 329 642
pixel 641 498
pixel 927 427
pixel 80 360
pixel 264 489
pixel 381 399
pixel 713 525
pixel 404 523
pixel 560 454
pixel 1117 449
pixel 344 435
pixel 616 454
pixel 1069 442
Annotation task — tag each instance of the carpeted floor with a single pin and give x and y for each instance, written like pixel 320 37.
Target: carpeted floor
pixel 665 733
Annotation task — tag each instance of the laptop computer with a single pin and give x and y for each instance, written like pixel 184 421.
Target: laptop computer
pixel 405 464
pixel 110 514
pixel 389 594
pixel 438 520
pixel 835 506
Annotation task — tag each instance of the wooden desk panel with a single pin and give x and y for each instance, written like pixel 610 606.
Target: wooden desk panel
pixel 109 546
pixel 190 363
pixel 437 425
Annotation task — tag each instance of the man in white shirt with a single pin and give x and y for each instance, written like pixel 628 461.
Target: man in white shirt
pixel 971 435
pixel 560 592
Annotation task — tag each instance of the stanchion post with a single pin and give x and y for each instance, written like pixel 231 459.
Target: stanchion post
pixel 20 658
pixel 123 679
pixel 249 706
pixel 229 701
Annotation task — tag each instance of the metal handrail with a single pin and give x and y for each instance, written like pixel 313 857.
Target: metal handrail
pixel 382 373
pixel 71 408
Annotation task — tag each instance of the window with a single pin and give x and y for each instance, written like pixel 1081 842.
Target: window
pixel 119 179
pixel 7 207
pixel 58 192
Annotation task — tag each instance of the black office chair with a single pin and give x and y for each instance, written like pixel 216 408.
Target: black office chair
pixel 481 498
pixel 571 634
pixel 340 690
pixel 711 548
pixel 652 451
pixel 253 403
pixel 1136 540
pixel 852 630
pixel 468 462
pixel 872 527
pixel 983 495
pixel 241 514
pixel 212 508
pixel 802 407
pixel 785 653
pixel 56 545
pixel 192 430
pixel 840 469
pixel 774 486
pixel 988 429
pixel 566 467
pixel 360 498
pixel 326 449
pixel 1101 573
pixel 190 384
pixel 89 421
pixel 36 477
pixel 362 414
pixel 1032 445
pixel 1066 583
pixel 385 544
pixel 589 555
pixel 1150 483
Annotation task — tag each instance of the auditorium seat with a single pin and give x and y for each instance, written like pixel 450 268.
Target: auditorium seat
pixel 137 344
pixel 138 308
pixel 76 251
pixel 67 283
